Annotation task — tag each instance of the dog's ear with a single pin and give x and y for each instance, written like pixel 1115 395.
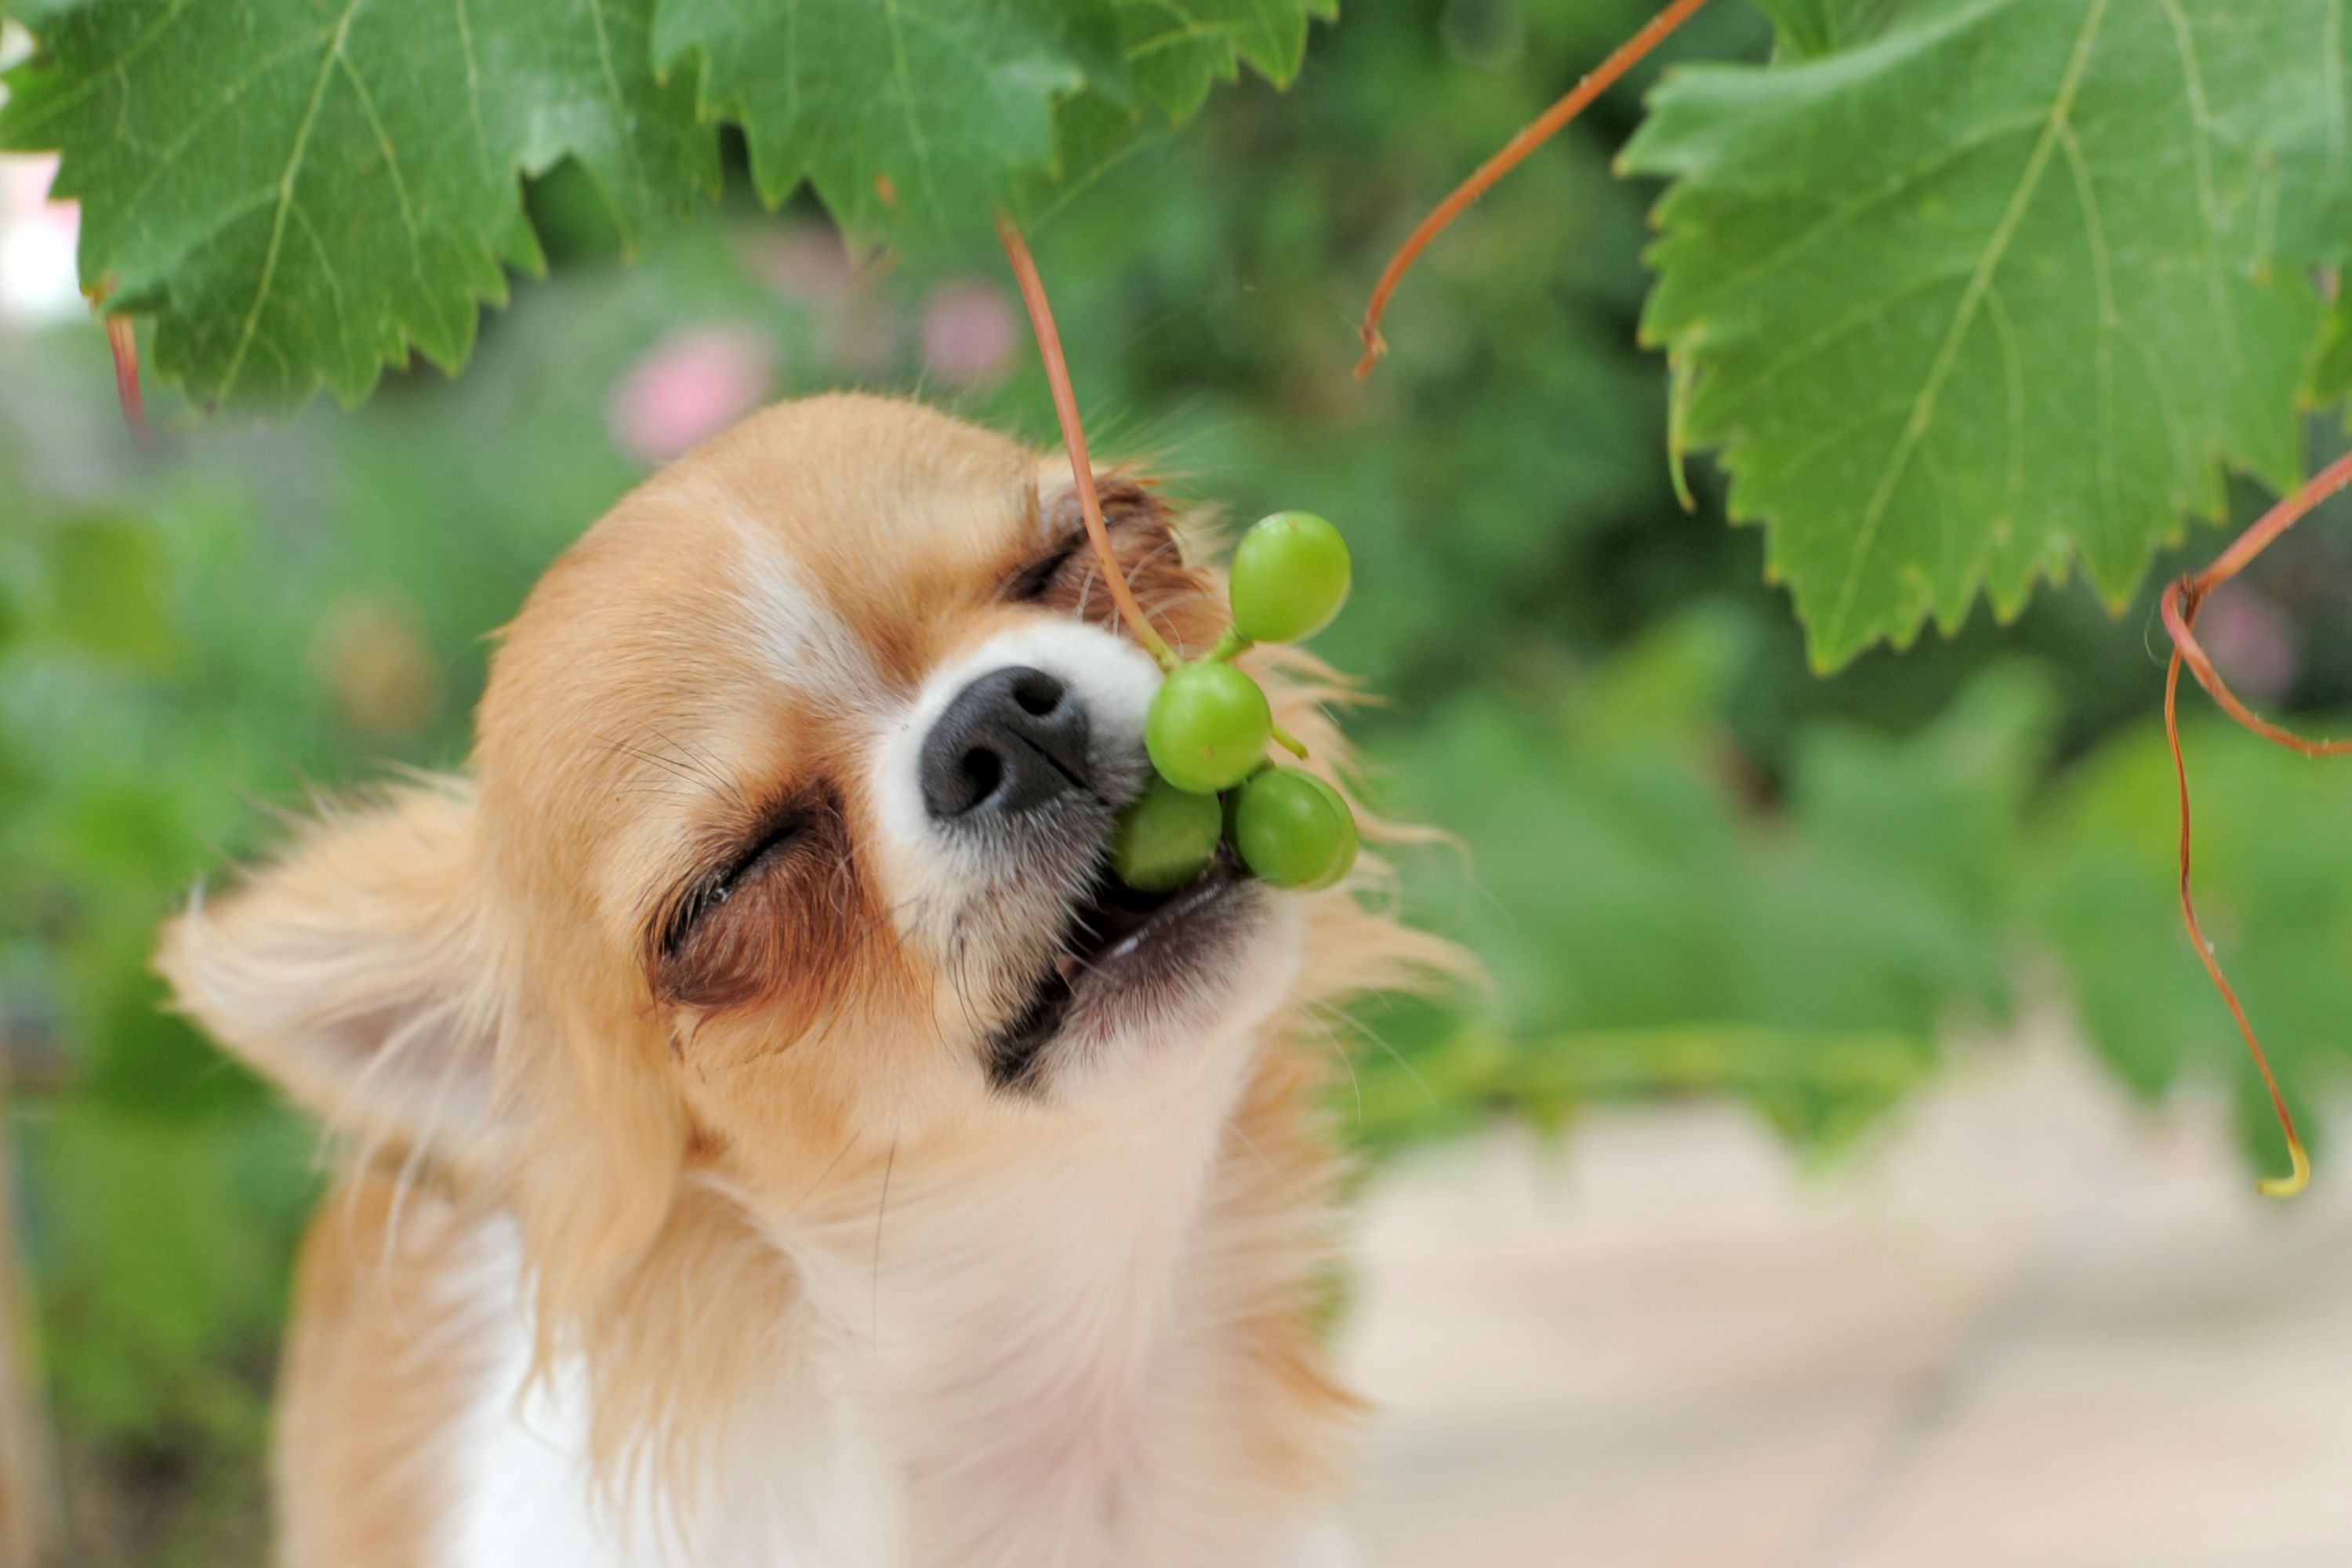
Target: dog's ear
pixel 358 972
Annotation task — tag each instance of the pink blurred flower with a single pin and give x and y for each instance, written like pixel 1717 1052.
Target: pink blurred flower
pixel 37 280
pixel 969 333
pixel 2252 643
pixel 687 387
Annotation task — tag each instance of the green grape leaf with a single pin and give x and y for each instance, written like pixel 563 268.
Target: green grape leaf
pixel 1996 289
pixel 36 12
pixel 1177 49
pixel 923 114
pixel 302 193
pixel 2331 367
pixel 920 109
pixel 1807 28
pixel 299 193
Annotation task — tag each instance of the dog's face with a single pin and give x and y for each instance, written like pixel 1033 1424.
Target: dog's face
pixel 791 787
pixel 822 734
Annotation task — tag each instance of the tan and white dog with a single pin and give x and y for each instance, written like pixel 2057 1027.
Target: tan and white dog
pixel 776 1141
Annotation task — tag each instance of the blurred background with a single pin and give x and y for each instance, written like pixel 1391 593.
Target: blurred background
pixel 1846 1164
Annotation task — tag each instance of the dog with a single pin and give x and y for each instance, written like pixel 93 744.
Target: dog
pixel 770 1136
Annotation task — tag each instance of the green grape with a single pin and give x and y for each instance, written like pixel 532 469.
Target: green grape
pixel 1231 802
pixel 1164 837
pixel 1208 727
pixel 1294 830
pixel 1291 576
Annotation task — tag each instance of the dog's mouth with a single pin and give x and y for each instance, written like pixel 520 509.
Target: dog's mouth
pixel 1124 953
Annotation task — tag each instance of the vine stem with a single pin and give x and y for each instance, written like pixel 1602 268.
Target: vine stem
pixel 2183 599
pixel 122 342
pixel 1534 134
pixel 1074 437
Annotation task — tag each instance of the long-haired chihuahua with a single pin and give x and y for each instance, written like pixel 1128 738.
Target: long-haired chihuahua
pixel 775 1138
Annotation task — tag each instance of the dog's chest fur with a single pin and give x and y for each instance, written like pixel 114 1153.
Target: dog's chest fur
pixel 797 1486
pixel 1059 1374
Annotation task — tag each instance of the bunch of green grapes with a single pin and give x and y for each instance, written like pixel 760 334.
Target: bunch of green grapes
pixel 1210 727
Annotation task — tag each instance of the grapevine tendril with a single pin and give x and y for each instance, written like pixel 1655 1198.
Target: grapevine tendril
pixel 1534 134
pixel 2182 600
pixel 1074 437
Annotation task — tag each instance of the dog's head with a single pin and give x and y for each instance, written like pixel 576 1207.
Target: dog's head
pixel 783 841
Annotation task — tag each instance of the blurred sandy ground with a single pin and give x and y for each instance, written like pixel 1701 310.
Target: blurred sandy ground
pixel 2030 1327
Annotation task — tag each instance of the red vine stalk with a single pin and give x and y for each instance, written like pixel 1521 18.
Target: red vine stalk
pixel 2182 602
pixel 122 340
pixel 1074 437
pixel 1533 135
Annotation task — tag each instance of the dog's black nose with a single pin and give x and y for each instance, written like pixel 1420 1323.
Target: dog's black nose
pixel 1012 742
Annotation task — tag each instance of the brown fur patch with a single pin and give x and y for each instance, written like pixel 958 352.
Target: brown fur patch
pixel 787 911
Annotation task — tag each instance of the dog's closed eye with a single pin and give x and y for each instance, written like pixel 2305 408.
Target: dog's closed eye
pixel 743 863
pixel 1034 581
pixel 1065 574
pixel 779 906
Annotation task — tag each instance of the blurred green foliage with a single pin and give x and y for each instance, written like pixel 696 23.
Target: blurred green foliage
pixel 1689 866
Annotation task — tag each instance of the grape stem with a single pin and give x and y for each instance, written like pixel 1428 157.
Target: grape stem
pixel 1231 645
pixel 1074 437
pixel 2183 599
pixel 1532 135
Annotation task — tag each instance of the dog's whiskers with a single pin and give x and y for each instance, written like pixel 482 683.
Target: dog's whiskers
pixel 830 1165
